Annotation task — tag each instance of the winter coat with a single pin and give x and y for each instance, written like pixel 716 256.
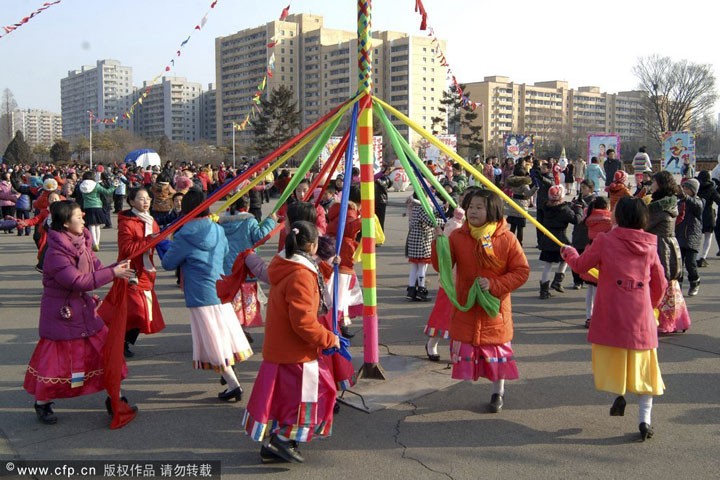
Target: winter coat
pixel 70 271
pixel 663 213
pixel 256 197
pixel 8 196
pixel 689 230
pixel 580 237
pixel 631 285
pixel 420 234
pixel 382 183
pixel 710 195
pixel 616 191
pixel 242 232
pixel 475 326
pixel 131 240
pixel 353 226
pixel 544 182
pixel 292 331
pixel 611 166
pixel 595 174
pixel 198 249
pixel 92 193
pixel 521 193
pixel 557 219
pixel 580 169
pixel 641 163
pixel 162 200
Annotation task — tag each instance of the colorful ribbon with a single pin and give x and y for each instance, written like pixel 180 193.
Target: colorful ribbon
pixel 8 29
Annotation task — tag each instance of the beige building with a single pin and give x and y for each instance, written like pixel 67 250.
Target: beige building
pixel 172 108
pixel 549 109
pixel 39 127
pixel 320 65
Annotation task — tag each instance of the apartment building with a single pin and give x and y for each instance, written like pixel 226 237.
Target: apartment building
pixel 171 108
pixel 39 127
pixel 545 109
pixel 105 89
pixel 208 110
pixel 320 65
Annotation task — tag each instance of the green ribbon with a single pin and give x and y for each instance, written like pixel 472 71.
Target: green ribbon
pixel 476 295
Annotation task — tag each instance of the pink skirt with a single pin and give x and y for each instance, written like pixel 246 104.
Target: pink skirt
pixel 67 368
pixel 438 323
pixel 674 316
pixel 494 362
pixel 217 338
pixel 295 400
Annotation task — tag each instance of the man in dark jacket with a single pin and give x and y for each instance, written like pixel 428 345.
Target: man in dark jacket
pixel 612 165
pixel 544 182
pixel 382 183
pixel 689 232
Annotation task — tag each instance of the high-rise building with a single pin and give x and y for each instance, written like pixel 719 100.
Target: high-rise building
pixel 39 127
pixel 105 89
pixel 546 109
pixel 320 65
pixel 171 108
pixel 208 121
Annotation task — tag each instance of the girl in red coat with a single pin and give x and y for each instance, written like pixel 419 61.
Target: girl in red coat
pixel 493 258
pixel 294 392
pixel 42 220
pixel 623 331
pixel 135 228
pixel 598 219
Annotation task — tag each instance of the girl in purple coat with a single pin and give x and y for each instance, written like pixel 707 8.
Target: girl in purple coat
pixel 623 330
pixel 67 361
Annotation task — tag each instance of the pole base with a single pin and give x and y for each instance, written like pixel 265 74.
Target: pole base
pixel 371 370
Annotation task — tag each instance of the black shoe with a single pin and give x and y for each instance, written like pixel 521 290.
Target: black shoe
pixel 496 403
pixel 694 289
pixel 285 449
pixel 587 323
pixel 432 357
pixel 249 337
pixel 618 407
pixel 422 294
pixel 557 282
pixel 107 227
pixel 345 331
pixel 45 413
pixel 545 290
pixel 702 263
pixel 577 286
pixel 336 408
pixel 267 456
pixel 228 395
pixel 108 404
pixel 127 352
pixel 411 293
pixel 646 431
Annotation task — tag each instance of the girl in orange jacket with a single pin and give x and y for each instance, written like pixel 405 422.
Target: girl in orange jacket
pixel 480 344
pixel 294 392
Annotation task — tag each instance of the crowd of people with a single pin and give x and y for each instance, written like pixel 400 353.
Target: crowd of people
pixel 661 230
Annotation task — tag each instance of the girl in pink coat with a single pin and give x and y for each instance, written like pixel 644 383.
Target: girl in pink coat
pixel 623 331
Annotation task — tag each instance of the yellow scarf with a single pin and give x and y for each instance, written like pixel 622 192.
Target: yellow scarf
pixel 483 234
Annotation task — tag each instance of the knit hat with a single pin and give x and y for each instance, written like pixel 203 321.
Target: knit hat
pixel 693 185
pixel 50 184
pixel 620 177
pixel 100 168
pixel 183 183
pixel 459 214
pixel 556 193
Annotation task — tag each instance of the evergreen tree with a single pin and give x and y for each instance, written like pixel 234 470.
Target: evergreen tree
pixel 278 121
pixel 60 151
pixel 18 151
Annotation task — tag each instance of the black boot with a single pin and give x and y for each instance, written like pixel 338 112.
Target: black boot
pixel 618 407
pixel 345 331
pixel 646 431
pixel 127 352
pixel 411 293
pixel 421 294
pixel 45 413
pixel 557 282
pixel 545 290
pixel 285 449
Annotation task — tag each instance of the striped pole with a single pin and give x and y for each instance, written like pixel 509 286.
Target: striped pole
pixel 371 366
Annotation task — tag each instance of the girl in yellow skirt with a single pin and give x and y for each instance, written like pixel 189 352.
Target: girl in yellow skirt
pixel 623 330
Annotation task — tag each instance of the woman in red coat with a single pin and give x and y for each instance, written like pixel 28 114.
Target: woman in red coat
pixel 135 226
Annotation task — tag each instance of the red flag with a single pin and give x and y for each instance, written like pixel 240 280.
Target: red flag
pixel 421 9
pixel 285 13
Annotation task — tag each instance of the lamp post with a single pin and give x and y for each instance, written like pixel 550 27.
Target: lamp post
pixel 233 142
pixel 90 118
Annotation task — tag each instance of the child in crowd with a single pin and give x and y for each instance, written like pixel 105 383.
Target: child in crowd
pixel 199 249
pixel 42 221
pixel 689 232
pixel 623 332
pixel 91 193
pixel 598 219
pixel 558 215
pixel 709 193
pixel 67 361
pixel 480 344
pixel 618 188
pixel 439 320
pixel 521 192
pixel 580 239
pixel 418 249
pixel 294 392
pixel 168 218
pixel 242 230
pixel 595 173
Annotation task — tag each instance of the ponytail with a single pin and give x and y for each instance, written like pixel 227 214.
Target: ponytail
pixel 302 234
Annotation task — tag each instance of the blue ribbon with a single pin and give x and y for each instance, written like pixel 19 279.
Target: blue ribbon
pixel 344 202
pixel 429 192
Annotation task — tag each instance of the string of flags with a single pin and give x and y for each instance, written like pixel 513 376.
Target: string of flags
pixel 169 66
pixel 11 28
pixel 269 70
pixel 465 101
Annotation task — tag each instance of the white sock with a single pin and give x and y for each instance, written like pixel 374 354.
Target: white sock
pixel 499 387
pixel 589 301
pixel 229 375
pixel 547 268
pixel 432 345
pixel 412 278
pixel 707 243
pixel 562 267
pixel 645 404
pixel 422 270
pixel 95 234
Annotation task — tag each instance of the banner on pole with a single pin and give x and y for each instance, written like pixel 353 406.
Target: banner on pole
pixel 678 149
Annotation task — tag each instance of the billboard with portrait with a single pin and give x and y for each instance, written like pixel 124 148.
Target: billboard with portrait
pixel 600 143
pixel 678 148
pixel 333 142
pixel 518 146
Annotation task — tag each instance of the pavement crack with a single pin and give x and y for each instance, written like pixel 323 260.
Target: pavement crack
pixel 405 455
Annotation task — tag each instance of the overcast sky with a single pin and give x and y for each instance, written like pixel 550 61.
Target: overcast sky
pixel 528 41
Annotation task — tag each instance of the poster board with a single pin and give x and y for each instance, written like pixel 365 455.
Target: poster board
pixel 600 143
pixel 333 142
pixel 518 146
pixel 677 148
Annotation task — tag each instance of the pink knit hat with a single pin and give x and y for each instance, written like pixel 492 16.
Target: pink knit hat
pixel 620 177
pixel 556 193
pixel 183 183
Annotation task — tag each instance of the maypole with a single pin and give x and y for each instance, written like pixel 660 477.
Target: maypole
pixel 371 366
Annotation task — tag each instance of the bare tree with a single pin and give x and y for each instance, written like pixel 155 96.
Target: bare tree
pixel 678 93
